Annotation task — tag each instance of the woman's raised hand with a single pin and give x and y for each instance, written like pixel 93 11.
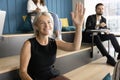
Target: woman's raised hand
pixel 78 15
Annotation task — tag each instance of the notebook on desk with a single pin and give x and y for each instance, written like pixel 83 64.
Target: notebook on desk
pixel 2 20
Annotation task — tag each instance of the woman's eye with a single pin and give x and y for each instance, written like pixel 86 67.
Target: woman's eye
pixel 42 23
pixel 49 21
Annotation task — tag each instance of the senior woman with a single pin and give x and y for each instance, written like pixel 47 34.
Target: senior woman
pixel 38 54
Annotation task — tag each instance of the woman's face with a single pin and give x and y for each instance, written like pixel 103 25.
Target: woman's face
pixel 44 25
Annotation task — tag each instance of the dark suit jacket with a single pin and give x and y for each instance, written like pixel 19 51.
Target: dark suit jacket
pixel 91 22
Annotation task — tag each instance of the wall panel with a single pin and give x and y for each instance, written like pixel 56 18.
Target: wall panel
pixel 17 8
pixel 12 15
pixel 21 11
pixel 61 7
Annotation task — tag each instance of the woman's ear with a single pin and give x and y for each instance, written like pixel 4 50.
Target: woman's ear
pixel 35 26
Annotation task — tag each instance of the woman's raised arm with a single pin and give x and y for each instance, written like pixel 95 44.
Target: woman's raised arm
pixel 78 18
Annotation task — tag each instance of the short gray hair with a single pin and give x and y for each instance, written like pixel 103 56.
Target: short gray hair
pixel 40 14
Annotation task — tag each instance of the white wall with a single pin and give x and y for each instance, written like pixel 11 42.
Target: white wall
pixel 89 6
pixel 75 1
pixel 2 19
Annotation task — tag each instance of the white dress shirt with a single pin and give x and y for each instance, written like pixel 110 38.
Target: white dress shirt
pixel 31 6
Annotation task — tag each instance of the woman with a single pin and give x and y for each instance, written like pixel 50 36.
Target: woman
pixel 35 6
pixel 38 54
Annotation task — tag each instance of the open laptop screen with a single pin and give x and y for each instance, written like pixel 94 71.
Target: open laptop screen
pixel 2 20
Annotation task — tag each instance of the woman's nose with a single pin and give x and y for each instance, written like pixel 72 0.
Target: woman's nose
pixel 46 24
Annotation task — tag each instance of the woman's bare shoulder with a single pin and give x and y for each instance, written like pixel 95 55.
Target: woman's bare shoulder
pixel 26 43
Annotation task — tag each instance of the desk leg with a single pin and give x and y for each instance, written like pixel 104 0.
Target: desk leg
pixel 109 46
pixel 92 46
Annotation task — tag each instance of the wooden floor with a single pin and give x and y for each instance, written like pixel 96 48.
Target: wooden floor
pixel 95 70
pixel 84 47
pixel 12 62
pixel 9 63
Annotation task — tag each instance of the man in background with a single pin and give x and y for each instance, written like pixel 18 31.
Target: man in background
pixel 97 21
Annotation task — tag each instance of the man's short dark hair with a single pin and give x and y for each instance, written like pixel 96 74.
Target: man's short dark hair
pixel 99 4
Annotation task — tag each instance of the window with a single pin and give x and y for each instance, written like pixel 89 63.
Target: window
pixel 112 12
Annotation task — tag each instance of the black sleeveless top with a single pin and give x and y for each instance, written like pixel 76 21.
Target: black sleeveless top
pixel 42 59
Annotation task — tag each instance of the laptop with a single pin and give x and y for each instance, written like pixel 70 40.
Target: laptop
pixel 2 20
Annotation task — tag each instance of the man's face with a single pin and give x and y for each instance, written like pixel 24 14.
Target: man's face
pixel 99 10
